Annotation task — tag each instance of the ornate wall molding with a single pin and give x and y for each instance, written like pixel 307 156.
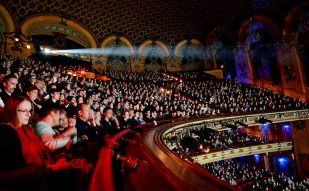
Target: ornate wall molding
pixel 242 151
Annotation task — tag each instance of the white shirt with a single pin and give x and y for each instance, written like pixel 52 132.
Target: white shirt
pixel 53 140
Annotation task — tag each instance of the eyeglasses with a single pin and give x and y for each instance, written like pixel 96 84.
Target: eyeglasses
pixel 25 112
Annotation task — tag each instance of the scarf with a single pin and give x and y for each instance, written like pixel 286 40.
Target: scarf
pixel 33 149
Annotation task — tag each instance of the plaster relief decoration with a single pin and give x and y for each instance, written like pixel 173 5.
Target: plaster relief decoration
pixel 264 56
pixel 117 55
pixel 301 124
pixel 190 56
pixel 18 38
pixel 2 31
pixel 173 61
pixel 242 68
pixel 154 57
pixel 302 158
pixel 59 39
pixel 289 72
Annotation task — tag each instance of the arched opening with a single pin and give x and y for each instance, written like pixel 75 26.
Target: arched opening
pixel 154 53
pixel 224 54
pixel 47 24
pixel 264 58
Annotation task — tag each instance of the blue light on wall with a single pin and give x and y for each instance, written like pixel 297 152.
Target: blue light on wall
pixel 281 160
pixel 228 76
pixel 286 126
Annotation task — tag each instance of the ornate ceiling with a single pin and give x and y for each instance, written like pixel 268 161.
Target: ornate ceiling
pixel 169 20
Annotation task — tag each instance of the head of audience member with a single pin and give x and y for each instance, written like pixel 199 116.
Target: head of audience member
pixel 82 112
pixel 51 115
pixel 32 79
pixel 126 115
pixel 17 111
pixel 71 100
pixel 32 92
pixel 107 114
pixel 55 94
pixel 97 117
pixel 89 101
pixel 79 99
pixel 63 120
pixel 9 84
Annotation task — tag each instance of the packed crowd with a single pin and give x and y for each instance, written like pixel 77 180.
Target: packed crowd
pixel 55 113
pixel 260 179
pixel 205 140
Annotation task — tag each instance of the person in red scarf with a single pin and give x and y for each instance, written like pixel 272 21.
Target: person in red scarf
pixel 20 147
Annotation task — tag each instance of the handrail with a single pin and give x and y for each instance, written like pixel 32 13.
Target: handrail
pixel 103 174
pixel 186 170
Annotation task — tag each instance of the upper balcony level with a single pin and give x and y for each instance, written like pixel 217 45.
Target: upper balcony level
pixel 159 141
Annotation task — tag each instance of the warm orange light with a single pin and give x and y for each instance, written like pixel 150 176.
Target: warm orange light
pixel 180 80
pixel 83 72
pixel 74 74
pixel 201 146
pixel 222 66
pixel 16 39
pixel 69 73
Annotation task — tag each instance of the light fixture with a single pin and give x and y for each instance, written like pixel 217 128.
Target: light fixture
pixel 253 36
pixel 222 66
pixel 262 120
pixel 231 126
pixel 69 73
pixel 74 74
pixel 28 46
pixel 281 160
pixel 242 124
pixel 16 39
pixel 47 50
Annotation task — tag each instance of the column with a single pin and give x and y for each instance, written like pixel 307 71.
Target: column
pixel 288 59
pixel 300 130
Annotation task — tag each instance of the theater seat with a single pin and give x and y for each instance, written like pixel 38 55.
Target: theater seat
pixel 240 187
pixel 29 177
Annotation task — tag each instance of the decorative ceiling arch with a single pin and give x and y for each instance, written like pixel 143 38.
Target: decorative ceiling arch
pixel 220 30
pixel 8 18
pixel 74 26
pixel 292 21
pixel 243 32
pixel 159 43
pixel 49 27
pixel 180 45
pixel 125 41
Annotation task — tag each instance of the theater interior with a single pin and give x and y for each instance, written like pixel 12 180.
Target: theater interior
pixel 127 95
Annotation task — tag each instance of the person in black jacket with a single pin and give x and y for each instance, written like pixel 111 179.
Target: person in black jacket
pixel 110 123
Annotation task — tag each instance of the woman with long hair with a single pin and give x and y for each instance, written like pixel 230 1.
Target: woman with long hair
pixel 20 147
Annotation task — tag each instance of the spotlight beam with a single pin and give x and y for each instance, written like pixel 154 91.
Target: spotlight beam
pixel 117 51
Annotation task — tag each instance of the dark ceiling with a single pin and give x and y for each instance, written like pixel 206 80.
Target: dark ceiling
pixel 169 20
